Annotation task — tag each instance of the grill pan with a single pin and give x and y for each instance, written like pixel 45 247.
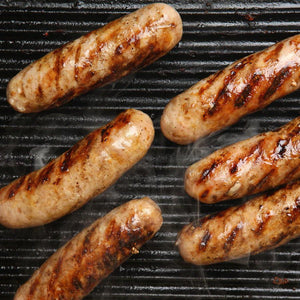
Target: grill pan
pixel 216 33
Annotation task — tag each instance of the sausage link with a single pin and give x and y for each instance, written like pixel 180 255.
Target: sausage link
pixel 97 58
pixel 247 167
pixel 223 98
pixel 84 171
pixel 77 268
pixel 260 224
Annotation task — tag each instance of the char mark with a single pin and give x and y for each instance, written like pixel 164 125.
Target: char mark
pixel 261 184
pixel 45 173
pixel 274 54
pixel 200 222
pixel 272 243
pixel 204 241
pixel 278 80
pixel 231 238
pixel 57 67
pixel 222 94
pixel 292 173
pixel 64 99
pixel 293 214
pixel 281 148
pixel 262 224
pixel 68 158
pixel 122 120
pixel 215 76
pixel 77 283
pixel 15 186
pixel 234 168
pixel 246 93
pixel 40 91
pixel 54 275
pixel 207 172
pixel 76 62
pixel 33 287
pixel 204 194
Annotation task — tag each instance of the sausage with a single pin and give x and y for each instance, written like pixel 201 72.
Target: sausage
pixel 245 86
pixel 97 58
pixel 85 170
pixel 247 167
pixel 263 223
pixel 77 268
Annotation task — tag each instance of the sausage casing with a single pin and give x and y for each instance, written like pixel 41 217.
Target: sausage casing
pixel 223 98
pixel 77 268
pixel 97 58
pixel 263 223
pixel 247 167
pixel 85 170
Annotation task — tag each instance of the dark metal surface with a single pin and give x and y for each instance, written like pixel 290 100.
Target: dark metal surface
pixel 216 33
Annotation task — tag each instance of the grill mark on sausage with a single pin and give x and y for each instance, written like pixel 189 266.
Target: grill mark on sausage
pixel 257 148
pixel 261 182
pixel 214 77
pixel 45 172
pixel 22 93
pixel 200 222
pixel 118 69
pixel 291 174
pixel 204 194
pixel 53 278
pixel 272 243
pixel 33 287
pixel 262 224
pixel 76 61
pixel 204 241
pixel 15 186
pixel 91 280
pixel 63 99
pixel 40 93
pixel 230 239
pixel 121 121
pixel 278 80
pixel 274 53
pixel 57 65
pixel 293 133
pixel 293 214
pixel 209 82
pixel 68 160
pixel 234 168
pixel 281 148
pixel 76 283
pixel 134 39
pixel 87 240
pixel 206 172
pixel 222 94
pixel 246 93
pixel 54 275
pixel 29 182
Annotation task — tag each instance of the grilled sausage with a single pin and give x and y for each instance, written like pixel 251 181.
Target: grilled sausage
pixel 223 98
pixel 247 167
pixel 87 169
pixel 260 224
pixel 97 58
pixel 78 267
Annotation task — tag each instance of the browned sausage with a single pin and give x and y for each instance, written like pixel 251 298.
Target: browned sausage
pixel 87 169
pixel 247 167
pixel 98 58
pixel 77 268
pixel 260 224
pixel 223 98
